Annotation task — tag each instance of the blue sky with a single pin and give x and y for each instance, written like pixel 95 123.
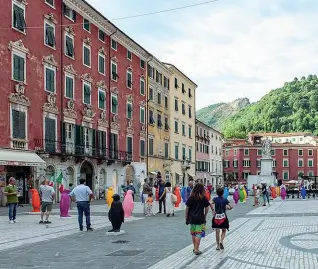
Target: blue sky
pixel 230 48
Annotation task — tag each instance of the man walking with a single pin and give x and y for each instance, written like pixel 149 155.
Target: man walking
pixel 145 191
pixel 70 187
pixel 11 192
pixel 83 195
pixel 162 201
pixel 47 195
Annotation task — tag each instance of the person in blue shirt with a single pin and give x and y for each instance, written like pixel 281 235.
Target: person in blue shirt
pixel 189 189
pixel 161 189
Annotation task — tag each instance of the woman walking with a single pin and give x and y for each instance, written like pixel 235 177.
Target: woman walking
pixel 219 205
pixel 196 211
pixel 169 202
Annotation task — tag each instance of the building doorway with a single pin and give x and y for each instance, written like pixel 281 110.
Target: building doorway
pixel 70 176
pixel 87 172
pixel 130 175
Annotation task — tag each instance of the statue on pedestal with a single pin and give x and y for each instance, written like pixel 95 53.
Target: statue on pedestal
pixel 267 149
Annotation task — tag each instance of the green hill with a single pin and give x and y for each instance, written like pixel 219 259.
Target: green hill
pixel 214 115
pixel 292 108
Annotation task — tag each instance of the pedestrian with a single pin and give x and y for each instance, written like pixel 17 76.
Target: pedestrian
pixel 70 187
pixel 189 189
pixel 149 204
pixel 257 196
pixel 116 214
pixel 196 212
pixel 219 205
pixel 265 194
pixel 162 198
pixel 83 195
pixel 47 195
pixel 11 192
pixel 283 191
pixel 145 191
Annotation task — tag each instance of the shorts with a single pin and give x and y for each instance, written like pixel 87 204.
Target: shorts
pixel 197 229
pixel 46 206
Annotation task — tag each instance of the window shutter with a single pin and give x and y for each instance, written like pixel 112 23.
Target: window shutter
pixel 22 131
pixel 21 68
pixel 94 142
pixel 22 20
pixel 16 66
pixel 15 124
pixel 79 139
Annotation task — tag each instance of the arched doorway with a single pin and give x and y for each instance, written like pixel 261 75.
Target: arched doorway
pixel 102 182
pixel 69 176
pixel 130 175
pixel 115 180
pixel 87 172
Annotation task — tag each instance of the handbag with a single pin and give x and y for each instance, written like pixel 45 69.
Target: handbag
pixel 174 198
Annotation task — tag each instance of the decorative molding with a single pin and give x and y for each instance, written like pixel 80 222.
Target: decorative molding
pixel 49 60
pixel 18 97
pixel 87 77
pixel 101 84
pixel 50 106
pixel 70 69
pixel 87 41
pixel 142 103
pixel 69 111
pixel 114 90
pixel 70 30
pixel 88 113
pixel 18 45
pixel 142 76
pixel 114 124
pixel 103 121
pixel 114 59
pixel 167 163
pixel 130 98
pixel 130 128
pixel 23 2
pixel 102 50
pixel 50 17
pixel 129 68
pixel 142 134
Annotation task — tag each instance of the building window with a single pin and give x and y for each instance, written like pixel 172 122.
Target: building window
pixel 176 105
pixel 235 163
pixel 166 124
pixel 18 67
pixel 114 71
pixel 246 152
pixel 151 146
pixel 310 173
pixel 86 25
pixel 246 163
pixel 101 99
pixel 300 152
pixel 310 163
pixel 166 102
pixel 286 175
pixel 69 46
pixel 101 63
pixel 151 94
pixel 18 124
pixel 159 121
pixel 50 2
pixel 310 152
pixel 129 79
pixel 285 152
pixel 142 64
pixel 274 163
pixel 184 153
pixel 273 152
pixel 101 35
pixel 142 148
pixel 176 83
pixel 235 151
pixel 183 129
pixel 142 86
pixel 86 55
pixel 114 102
pixel 157 76
pixel 258 163
pixel 129 144
pixel 300 163
pixel 50 134
pixel 129 110
pixel 69 87
pixel 150 71
pixel 18 17
pixel 190 111
pixel 151 118
pixel 142 115
pixel 190 155
pixel 165 82
pixel 176 151
pixel 285 163
pixel 166 150
pixel 183 88
pixel 49 34
pixel 183 109
pixel 87 93
pixel 129 55
pixel 69 13
pixel 190 131
pixel 259 152
pixel 176 126
pixel 49 79
pixel 190 94
pixel 114 44
pixel 159 98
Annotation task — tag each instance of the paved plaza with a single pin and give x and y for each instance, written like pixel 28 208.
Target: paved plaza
pixel 282 235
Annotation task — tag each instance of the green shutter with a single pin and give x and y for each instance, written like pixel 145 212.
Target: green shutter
pixel 101 100
pixel 16 66
pixel 87 94
pixel 69 87
pixel 79 140
pixel 129 111
pixel 94 142
pixel 101 65
pixel 142 115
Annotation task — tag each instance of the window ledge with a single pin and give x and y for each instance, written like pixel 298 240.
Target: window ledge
pixel 24 33
pixel 53 48
pixel 70 57
pixel 17 81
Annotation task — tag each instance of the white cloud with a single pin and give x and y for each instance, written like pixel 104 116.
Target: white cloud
pixel 232 50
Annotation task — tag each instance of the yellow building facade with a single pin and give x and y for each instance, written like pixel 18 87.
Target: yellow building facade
pixel 158 120
pixel 182 130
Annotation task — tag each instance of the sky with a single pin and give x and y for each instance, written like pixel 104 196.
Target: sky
pixel 230 48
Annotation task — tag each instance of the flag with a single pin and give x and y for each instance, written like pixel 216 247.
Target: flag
pixel 60 178
pixel 52 179
pixel 61 189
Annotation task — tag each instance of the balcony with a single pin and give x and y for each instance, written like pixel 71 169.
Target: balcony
pixel 19 144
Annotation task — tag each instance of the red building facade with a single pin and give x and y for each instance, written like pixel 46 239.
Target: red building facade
pixel 73 90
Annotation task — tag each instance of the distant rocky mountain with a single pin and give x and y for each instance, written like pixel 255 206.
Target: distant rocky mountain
pixel 214 115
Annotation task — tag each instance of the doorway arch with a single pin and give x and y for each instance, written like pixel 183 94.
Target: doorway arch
pixel 87 172
pixel 115 180
pixel 70 175
pixel 130 175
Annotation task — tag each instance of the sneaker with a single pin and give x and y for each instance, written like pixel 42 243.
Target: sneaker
pixel 41 222
pixel 90 229
pixel 11 221
pixel 221 246
pixel 47 222
pixel 81 229
pixel 15 221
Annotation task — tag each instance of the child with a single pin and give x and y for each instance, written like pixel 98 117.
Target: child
pixel 149 202
pixel 257 195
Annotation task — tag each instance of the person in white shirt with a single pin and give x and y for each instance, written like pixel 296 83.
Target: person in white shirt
pixel 47 195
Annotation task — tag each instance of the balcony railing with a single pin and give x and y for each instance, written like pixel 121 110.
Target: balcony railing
pixel 52 147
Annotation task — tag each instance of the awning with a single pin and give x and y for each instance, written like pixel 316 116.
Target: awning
pixel 179 174
pixel 20 158
pixel 191 175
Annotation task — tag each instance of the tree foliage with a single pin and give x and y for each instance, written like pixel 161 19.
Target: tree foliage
pixel 292 108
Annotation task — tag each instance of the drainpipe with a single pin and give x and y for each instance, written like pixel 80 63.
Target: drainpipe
pixel 146 120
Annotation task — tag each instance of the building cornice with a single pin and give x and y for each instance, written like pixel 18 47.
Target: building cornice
pixel 162 68
pixel 175 70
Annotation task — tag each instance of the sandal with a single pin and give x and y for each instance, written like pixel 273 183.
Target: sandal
pixel 221 246
pixel 198 253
